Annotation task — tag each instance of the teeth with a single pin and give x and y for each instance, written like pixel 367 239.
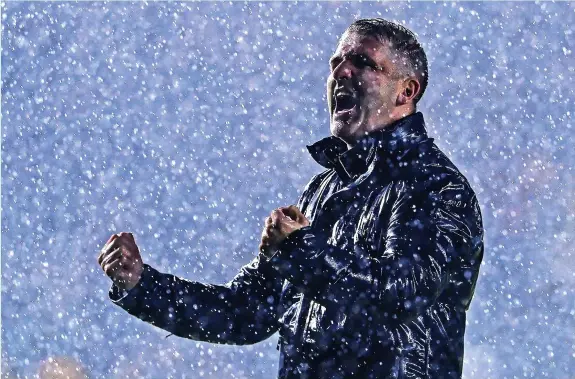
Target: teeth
pixel 344 102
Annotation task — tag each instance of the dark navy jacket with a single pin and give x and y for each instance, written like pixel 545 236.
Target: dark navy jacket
pixel 376 287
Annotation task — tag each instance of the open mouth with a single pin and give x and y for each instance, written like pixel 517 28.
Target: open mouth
pixel 345 104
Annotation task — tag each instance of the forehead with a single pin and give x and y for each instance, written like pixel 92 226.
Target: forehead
pixel 351 42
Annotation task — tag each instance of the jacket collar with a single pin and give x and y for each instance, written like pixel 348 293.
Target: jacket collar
pixel 390 142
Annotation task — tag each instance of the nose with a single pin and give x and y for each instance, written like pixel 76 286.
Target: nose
pixel 343 70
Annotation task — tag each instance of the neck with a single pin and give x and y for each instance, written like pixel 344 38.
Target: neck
pixel 398 114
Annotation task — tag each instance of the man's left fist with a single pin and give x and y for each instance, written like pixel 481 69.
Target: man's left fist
pixel 282 222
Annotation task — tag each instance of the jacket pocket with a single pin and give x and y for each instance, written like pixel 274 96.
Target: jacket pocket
pixel 288 320
pixel 413 362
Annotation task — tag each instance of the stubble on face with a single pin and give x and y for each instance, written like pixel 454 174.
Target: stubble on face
pixel 375 89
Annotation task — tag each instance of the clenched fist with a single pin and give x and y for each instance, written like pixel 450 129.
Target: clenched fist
pixel 282 222
pixel 121 261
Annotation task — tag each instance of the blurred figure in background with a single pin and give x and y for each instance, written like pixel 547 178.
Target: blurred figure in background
pixel 371 273
pixel 61 368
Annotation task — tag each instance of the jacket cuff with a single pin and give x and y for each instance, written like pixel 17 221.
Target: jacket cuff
pixel 289 251
pixel 293 241
pixel 133 298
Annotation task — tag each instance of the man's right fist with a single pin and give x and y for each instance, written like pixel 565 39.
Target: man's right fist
pixel 121 261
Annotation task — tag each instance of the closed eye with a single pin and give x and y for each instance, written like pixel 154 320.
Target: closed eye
pixel 360 61
pixel 363 61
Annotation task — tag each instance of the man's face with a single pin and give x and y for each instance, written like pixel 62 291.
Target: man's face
pixel 362 87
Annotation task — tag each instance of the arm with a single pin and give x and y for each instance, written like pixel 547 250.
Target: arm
pixel 244 311
pixel 427 236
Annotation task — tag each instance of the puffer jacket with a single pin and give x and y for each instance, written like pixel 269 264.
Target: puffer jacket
pixel 376 287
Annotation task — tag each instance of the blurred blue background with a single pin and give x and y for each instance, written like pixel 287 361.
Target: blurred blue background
pixel 186 124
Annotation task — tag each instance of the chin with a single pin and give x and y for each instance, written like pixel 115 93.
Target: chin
pixel 345 127
pixel 337 128
pixel 343 131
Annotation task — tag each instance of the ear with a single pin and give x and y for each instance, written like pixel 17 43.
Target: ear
pixel 409 90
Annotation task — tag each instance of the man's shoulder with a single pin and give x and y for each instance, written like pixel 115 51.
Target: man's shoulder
pixel 433 171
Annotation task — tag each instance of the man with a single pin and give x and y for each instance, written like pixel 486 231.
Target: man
pixel 371 274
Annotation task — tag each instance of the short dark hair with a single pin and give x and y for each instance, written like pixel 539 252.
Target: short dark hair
pixel 402 40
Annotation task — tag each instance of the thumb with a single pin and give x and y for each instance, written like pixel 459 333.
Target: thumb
pixel 298 215
pixel 292 223
pixel 291 212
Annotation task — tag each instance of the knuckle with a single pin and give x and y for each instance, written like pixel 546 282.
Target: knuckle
pixel 110 268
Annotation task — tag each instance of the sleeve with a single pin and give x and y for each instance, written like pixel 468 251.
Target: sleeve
pixel 428 232
pixel 244 311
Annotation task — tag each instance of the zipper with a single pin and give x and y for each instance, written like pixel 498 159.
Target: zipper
pixel 302 319
pixel 319 213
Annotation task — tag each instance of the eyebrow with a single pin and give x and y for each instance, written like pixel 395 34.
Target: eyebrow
pixel 369 60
